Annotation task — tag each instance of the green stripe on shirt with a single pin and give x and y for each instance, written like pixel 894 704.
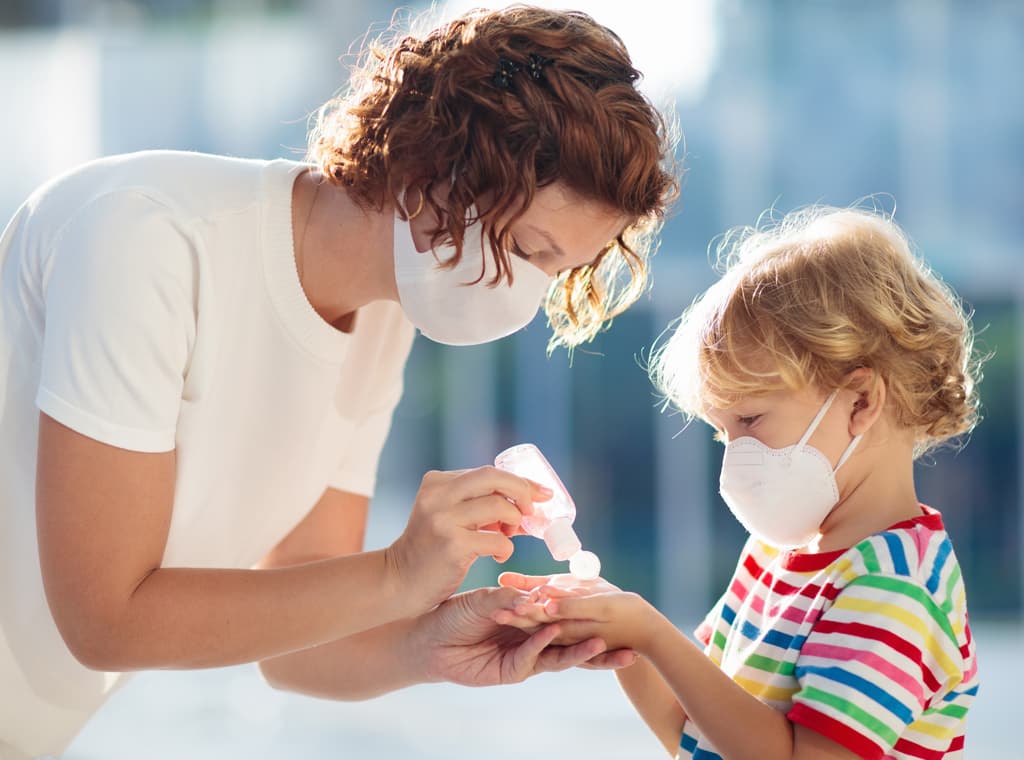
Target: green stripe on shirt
pixel 867 551
pixel 770 665
pixel 866 719
pixel 912 591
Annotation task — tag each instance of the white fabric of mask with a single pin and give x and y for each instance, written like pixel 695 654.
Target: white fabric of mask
pixel 781 496
pixel 456 306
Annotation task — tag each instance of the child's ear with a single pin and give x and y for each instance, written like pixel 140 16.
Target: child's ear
pixel 869 391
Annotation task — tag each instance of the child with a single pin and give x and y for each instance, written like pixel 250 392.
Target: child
pixel 827 359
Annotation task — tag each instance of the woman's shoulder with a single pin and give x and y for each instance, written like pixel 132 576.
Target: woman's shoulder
pixel 383 329
pixel 188 183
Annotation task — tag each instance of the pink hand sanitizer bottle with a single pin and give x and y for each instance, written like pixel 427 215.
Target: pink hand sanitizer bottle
pixel 552 520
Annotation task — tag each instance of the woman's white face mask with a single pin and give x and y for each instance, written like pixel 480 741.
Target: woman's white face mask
pixel 455 306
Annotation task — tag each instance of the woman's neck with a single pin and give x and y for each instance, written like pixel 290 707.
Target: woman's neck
pixel 343 253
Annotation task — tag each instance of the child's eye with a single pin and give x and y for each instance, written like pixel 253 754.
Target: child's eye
pixel 748 421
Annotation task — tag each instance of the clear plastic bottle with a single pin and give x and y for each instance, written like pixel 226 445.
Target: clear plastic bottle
pixel 552 520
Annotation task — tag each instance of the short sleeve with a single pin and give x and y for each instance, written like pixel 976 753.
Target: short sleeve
pixel 874 663
pixel 120 322
pixel 371 388
pixel 706 630
pixel 357 472
pixel 712 630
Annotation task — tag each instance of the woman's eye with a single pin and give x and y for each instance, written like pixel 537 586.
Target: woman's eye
pixel 519 251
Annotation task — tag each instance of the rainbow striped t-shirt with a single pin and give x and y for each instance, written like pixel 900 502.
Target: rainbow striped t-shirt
pixel 868 646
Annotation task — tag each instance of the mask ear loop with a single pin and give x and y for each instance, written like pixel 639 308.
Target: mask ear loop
pixel 814 426
pixel 817 420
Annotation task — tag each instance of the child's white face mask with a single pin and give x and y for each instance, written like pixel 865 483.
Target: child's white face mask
pixel 447 309
pixel 781 495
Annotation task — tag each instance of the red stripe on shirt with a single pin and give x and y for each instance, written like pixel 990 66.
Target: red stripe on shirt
pixel 888 638
pixel 838 732
pixel 770 582
pixel 914 749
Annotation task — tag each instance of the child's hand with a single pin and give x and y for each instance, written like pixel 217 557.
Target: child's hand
pixel 527 611
pixel 621 618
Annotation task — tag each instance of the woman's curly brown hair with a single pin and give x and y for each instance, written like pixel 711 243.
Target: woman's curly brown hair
pixel 425 111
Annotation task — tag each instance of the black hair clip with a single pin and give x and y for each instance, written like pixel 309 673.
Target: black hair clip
pixel 503 76
pixel 537 64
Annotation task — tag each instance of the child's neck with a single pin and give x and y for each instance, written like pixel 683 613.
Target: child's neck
pixel 878 492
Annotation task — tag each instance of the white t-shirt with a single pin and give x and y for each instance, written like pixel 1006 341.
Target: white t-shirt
pixel 151 302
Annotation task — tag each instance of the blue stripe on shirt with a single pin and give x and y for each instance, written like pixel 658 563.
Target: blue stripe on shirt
pixel 862 685
pixel 940 561
pixel 689 744
pixel 899 556
pixel 728 614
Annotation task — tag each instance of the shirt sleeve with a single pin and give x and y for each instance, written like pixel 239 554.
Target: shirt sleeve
pixel 357 472
pixel 379 375
pixel 704 632
pixel 721 616
pixel 874 663
pixel 120 322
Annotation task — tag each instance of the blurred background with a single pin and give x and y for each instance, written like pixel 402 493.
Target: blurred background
pixel 782 104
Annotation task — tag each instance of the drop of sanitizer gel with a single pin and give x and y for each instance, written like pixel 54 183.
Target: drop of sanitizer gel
pixel 585 565
pixel 552 519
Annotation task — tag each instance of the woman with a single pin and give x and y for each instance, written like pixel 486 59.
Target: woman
pixel 201 357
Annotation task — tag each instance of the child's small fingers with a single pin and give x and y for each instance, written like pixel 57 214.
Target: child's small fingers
pixel 576 608
pixel 522 582
pixel 534 612
pixel 553 592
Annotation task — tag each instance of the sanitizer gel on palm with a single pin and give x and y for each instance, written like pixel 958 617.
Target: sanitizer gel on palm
pixel 552 520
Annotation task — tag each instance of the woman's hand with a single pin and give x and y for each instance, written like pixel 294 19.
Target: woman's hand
pixel 464 645
pixel 456 518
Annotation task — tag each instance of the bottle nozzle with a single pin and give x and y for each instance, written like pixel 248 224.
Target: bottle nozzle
pixel 561 539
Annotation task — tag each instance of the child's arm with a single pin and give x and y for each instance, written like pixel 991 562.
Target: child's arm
pixel 654 702
pixel 646 689
pixel 737 723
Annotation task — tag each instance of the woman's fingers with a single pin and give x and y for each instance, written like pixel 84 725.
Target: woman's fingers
pixel 525 656
pixel 485 511
pixel 494 545
pixel 613 660
pixel 511 619
pixel 508 530
pixel 484 481
pixel 555 658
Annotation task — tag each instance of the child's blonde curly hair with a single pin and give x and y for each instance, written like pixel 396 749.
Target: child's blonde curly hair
pixel 805 301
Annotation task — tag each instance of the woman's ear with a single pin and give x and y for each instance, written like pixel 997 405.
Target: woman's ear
pixel 869 391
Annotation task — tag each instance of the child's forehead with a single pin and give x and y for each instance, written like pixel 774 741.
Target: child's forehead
pixel 744 404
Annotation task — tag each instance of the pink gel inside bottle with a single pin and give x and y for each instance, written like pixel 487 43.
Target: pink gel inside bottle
pixel 552 519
